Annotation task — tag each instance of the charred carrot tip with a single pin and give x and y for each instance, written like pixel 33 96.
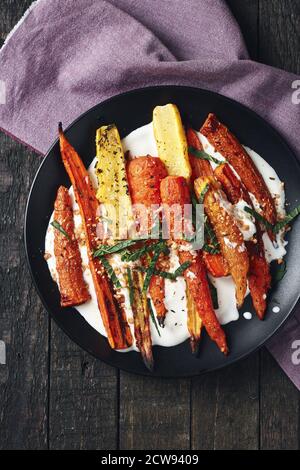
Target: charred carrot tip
pixel 60 128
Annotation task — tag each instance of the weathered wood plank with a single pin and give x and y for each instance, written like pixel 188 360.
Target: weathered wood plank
pixel 154 413
pixel 279 407
pixel 225 408
pixel 23 322
pixel 83 398
pixel 246 14
pixel 279 38
pixel 279 44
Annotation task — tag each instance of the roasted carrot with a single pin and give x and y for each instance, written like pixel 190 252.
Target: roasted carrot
pixel 228 234
pixel 199 167
pixel 113 315
pixel 215 263
pixel 72 287
pixel 259 276
pixel 194 323
pixel 174 190
pixel 228 145
pixel 144 176
pixel 141 321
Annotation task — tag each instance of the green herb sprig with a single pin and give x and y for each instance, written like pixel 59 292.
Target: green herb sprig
pixel 60 229
pixel 111 273
pixel 204 156
pixel 152 315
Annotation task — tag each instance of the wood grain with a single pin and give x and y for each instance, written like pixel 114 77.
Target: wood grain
pixel 279 407
pixel 279 37
pixel 225 408
pixel 246 14
pixel 154 413
pixel 279 42
pixel 83 406
pixel 23 322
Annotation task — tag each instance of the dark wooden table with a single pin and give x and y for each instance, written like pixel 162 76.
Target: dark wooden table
pixel 54 395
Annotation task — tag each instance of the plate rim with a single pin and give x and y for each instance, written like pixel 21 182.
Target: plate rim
pixel 44 303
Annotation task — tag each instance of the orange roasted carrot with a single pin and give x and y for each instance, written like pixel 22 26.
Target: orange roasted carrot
pixel 199 167
pixel 259 276
pixel 174 190
pixel 229 236
pixel 113 315
pixel 228 145
pixel 72 287
pixel 144 176
pixel 215 263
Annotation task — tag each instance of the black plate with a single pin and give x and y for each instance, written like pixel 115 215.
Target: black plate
pixel 129 111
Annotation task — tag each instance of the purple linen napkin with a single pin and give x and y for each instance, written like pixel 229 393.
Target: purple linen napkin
pixel 65 57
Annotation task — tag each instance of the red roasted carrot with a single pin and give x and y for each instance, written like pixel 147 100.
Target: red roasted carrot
pixel 215 263
pixel 174 190
pixel 199 166
pixel 144 176
pixel 228 145
pixel 113 315
pixel 259 276
pixel 72 287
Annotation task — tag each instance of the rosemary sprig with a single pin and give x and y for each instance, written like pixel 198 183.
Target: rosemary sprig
pixel 151 269
pixel 203 192
pixel 153 316
pixel 103 250
pixel 180 270
pixel 135 255
pixel 288 218
pixel 204 156
pixel 259 217
pixel 167 275
pixel 111 273
pixel 60 229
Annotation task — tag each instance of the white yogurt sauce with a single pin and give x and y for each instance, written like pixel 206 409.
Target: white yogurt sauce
pixel 276 309
pixel 247 315
pixel 142 142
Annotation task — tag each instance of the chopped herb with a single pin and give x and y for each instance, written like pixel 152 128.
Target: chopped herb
pixel 111 273
pixel 130 285
pixel 107 249
pixel 259 217
pixel 180 270
pixel 153 316
pixel 135 255
pixel 212 245
pixel 204 156
pixel 288 218
pixel 151 269
pixel 203 192
pixel 157 272
pixel 214 295
pixel 58 227
pixel 279 273
pixel 210 249
pixel 279 225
